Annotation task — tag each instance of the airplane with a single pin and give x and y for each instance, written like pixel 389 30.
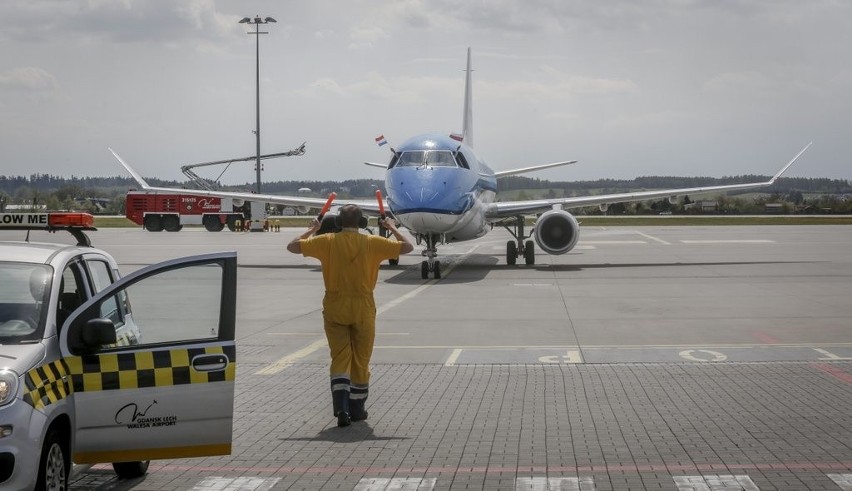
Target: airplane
pixel 442 192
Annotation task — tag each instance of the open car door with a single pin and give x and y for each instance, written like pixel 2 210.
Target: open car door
pixel 151 360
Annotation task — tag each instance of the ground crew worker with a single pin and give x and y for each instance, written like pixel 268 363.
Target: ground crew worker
pixel 350 267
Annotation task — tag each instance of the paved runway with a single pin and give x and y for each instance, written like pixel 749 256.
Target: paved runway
pixel 702 358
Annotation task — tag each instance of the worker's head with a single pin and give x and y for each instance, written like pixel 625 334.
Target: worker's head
pixel 350 216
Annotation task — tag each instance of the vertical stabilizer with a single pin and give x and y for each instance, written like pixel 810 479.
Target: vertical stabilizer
pixel 467 124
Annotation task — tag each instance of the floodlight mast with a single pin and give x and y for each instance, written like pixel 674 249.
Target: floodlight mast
pixel 257 21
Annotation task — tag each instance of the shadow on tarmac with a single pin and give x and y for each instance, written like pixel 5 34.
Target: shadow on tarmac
pixel 357 432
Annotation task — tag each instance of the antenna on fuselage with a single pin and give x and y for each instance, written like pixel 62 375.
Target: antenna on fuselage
pixel 467 121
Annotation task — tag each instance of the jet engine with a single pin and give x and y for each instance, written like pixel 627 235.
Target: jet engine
pixel 556 232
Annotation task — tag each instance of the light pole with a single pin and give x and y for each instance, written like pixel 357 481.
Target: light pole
pixel 257 21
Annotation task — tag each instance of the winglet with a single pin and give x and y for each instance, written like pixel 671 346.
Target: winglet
pixel 783 170
pixel 138 178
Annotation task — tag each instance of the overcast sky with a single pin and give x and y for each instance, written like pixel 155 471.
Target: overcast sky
pixel 629 88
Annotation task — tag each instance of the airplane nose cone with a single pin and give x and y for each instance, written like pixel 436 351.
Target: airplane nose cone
pixel 431 190
pixel 427 198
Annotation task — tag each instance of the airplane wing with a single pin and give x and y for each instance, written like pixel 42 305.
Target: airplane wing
pixel 514 172
pixel 514 208
pixel 370 208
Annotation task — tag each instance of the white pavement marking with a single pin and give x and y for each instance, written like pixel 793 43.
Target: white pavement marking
pixel 453 357
pixel 612 242
pixel 572 356
pixel 711 482
pixel 713 355
pixel 395 484
pixel 555 484
pixel 844 481
pixel 651 237
pixel 829 355
pixel 288 360
pixel 236 484
pixel 393 303
pixel 754 241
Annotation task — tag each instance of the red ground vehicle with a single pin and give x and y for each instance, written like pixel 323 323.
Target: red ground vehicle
pixel 171 211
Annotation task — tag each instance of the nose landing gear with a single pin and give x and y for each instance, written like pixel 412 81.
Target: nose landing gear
pixel 431 252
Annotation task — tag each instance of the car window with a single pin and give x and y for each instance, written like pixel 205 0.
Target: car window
pixel 177 305
pixel 24 291
pixel 72 292
pixel 100 274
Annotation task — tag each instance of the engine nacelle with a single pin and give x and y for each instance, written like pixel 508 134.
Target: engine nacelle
pixel 556 232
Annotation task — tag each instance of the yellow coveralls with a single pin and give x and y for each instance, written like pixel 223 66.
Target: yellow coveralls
pixel 350 268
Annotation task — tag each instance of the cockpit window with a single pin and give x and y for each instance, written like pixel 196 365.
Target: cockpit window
pixel 432 158
pixel 462 161
pixel 24 293
pixel 394 161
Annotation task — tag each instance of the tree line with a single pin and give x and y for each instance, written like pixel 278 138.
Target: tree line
pixel 106 195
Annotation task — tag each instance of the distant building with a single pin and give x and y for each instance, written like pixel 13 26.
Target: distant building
pixel 703 205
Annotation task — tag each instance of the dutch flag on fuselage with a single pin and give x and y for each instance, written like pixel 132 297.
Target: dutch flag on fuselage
pixel 380 140
pixel 457 137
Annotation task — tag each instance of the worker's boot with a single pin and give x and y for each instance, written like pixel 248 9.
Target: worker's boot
pixel 357 402
pixel 340 401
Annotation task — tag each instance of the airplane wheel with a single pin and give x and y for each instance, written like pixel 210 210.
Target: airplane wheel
pixel 393 262
pixel 424 270
pixel 511 253
pixel 529 252
pixel 437 272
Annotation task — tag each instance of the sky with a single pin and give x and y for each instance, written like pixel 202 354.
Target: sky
pixel 627 87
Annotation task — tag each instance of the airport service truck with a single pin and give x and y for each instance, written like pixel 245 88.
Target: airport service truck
pixel 171 211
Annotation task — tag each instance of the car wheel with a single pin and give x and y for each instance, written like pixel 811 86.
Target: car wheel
pixel 54 464
pixel 130 470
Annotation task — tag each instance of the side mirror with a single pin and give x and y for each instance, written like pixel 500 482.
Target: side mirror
pixel 98 332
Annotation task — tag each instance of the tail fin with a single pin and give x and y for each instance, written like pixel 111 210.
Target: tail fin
pixel 467 123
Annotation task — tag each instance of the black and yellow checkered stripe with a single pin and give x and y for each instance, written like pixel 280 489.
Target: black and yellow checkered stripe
pixel 47 384
pixel 114 371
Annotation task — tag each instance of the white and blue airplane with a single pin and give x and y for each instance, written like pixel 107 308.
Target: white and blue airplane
pixel 439 190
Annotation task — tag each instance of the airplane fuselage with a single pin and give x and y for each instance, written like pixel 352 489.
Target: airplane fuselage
pixel 437 186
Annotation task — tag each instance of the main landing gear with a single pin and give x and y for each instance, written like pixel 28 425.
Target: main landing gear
pixel 431 252
pixel 521 246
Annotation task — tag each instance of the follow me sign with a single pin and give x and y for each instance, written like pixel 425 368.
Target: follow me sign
pixel 23 219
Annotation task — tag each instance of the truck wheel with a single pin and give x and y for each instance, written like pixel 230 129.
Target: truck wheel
pixel 154 223
pixel 232 222
pixel 130 470
pixel 213 224
pixel 54 464
pixel 171 223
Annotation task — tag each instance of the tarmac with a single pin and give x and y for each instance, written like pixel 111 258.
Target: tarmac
pixel 673 358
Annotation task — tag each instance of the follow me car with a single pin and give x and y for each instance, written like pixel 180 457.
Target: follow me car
pixel 95 368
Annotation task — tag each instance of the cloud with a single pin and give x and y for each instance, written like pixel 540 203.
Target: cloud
pixel 28 79
pixel 366 36
pixel 86 21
